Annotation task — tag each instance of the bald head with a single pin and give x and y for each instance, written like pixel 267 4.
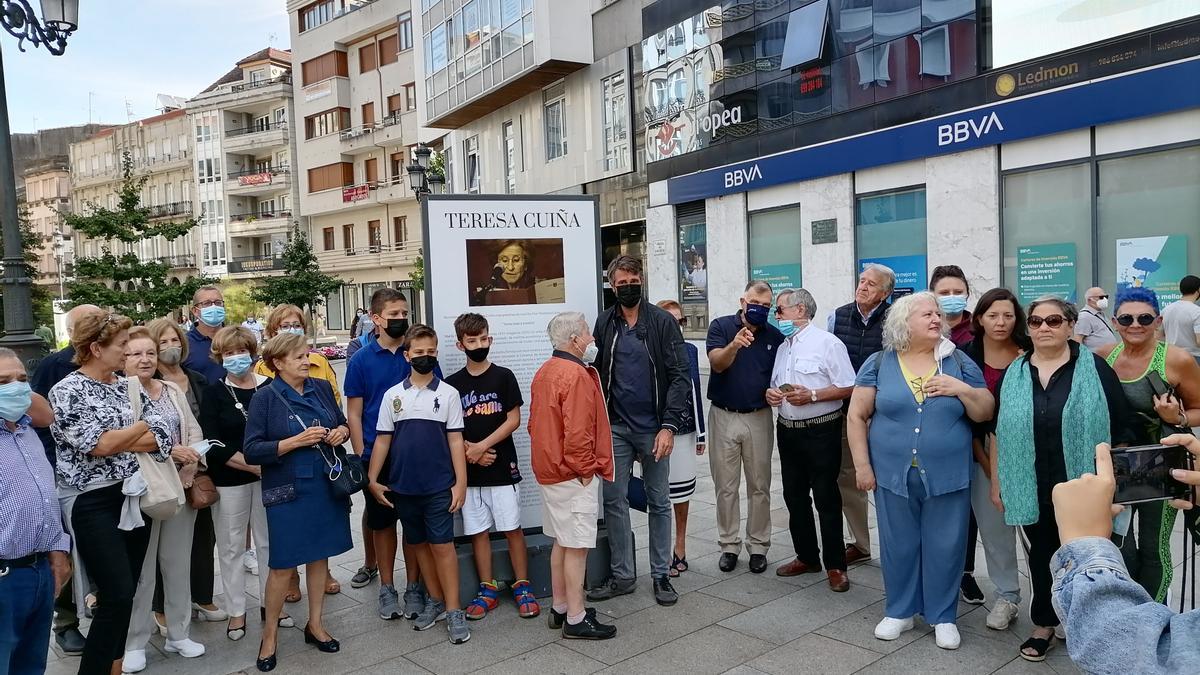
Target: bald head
pixel 1093 297
pixel 77 312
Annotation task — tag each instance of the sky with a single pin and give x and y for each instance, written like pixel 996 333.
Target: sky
pixel 133 50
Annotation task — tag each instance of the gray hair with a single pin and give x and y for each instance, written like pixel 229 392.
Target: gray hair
pixel 6 353
pixel 625 263
pixel 801 297
pixel 758 286
pixel 1069 311
pixel 889 277
pixel 896 335
pixel 565 326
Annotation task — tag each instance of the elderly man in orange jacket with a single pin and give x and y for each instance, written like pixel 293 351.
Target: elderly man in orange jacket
pixel 571 447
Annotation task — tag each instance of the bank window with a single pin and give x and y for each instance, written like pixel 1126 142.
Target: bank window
pixel 775 247
pixel 890 230
pixel 1047 241
pixel 693 268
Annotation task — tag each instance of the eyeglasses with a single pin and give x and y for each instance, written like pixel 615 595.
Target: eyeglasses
pixel 1053 321
pixel 1142 319
pixel 210 303
pixel 1099 297
pixel 780 308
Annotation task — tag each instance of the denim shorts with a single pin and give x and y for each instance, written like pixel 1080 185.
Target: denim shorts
pixel 425 518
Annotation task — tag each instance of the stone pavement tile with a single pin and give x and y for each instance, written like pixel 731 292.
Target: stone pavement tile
pixel 1059 660
pixel 354 621
pixel 815 654
pixel 750 590
pixel 1020 666
pixel 494 639
pixel 709 650
pixel 707 564
pixel 358 652
pixel 743 670
pixel 786 618
pixel 549 659
pixel 977 655
pixel 656 626
pixel 396 666
pixel 858 628
pixel 624 605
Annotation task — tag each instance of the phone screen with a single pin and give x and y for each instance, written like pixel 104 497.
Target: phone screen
pixel 786 388
pixel 1143 473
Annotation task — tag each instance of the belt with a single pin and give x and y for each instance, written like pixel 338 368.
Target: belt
pixel 736 411
pixel 25 561
pixel 811 421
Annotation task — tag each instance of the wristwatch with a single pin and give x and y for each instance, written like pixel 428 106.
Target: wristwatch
pixel 814 394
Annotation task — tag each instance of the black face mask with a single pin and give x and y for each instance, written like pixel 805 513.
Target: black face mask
pixel 478 355
pixel 629 295
pixel 423 365
pixel 396 328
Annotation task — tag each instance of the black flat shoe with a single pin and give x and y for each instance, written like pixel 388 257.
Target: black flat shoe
pixel 266 664
pixel 758 563
pixel 727 562
pixel 330 646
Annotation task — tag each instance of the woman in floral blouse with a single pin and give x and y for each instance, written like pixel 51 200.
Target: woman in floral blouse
pixel 97 434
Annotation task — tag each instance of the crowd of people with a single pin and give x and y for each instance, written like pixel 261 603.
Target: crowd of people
pixel 136 455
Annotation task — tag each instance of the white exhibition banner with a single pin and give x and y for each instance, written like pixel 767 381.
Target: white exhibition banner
pixel 517 260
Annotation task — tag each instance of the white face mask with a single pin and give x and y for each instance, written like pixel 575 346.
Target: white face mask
pixel 590 352
pixel 1102 303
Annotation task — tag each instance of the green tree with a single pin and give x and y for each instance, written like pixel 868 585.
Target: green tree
pixel 142 290
pixel 302 284
pixel 239 302
pixel 417 275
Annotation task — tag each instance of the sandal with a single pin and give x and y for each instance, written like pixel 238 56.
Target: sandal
pixel 527 605
pixel 293 592
pixel 484 601
pixel 678 565
pixel 1039 645
pixel 332 587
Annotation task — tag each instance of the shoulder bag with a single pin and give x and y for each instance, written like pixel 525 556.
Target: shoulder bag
pixel 347 475
pixel 164 491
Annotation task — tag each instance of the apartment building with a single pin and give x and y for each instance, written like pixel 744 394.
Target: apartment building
pixel 242 131
pixel 356 118
pixel 47 196
pixel 161 149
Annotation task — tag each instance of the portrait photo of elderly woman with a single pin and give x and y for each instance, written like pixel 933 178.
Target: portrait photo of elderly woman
pixel 515 271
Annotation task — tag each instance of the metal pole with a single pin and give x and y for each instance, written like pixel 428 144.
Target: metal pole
pixel 15 286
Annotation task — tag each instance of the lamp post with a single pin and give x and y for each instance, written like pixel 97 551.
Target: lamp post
pixel 60 18
pixel 421 180
pixel 59 248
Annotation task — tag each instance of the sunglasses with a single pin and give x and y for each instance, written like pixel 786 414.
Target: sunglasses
pixel 1054 321
pixel 1142 319
pixel 683 321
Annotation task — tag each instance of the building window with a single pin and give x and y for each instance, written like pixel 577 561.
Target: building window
pixel 510 157
pixel 394 104
pixel 328 122
pixel 327 234
pixel 448 164
pixel 348 239
pixel 399 231
pixel 1048 215
pixel 371 171
pixel 208 170
pixel 471 168
pixel 890 230
pixel 693 268
pixel 323 67
pixel 368 113
pixel 374 236
pixel 317 13
pixel 775 247
pixel 330 176
pixel 389 49
pixel 556 133
pixel 615 119
pixel 398 171
pixel 410 96
pixel 367 58
pixel 405 31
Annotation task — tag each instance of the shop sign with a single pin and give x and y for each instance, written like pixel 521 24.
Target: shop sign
pixel 355 193
pixel 1046 269
pixel 965 130
pixel 255 179
pixel 824 231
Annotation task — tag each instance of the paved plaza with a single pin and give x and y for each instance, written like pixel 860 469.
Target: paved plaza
pixel 737 623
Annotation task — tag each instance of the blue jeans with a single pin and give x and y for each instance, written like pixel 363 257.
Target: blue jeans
pixel 26 610
pixel 627 447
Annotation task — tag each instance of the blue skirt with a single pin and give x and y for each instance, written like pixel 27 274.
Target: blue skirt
pixel 313 526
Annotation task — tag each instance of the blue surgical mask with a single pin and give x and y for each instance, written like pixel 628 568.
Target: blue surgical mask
pixel 787 328
pixel 212 316
pixel 756 315
pixel 15 399
pixel 238 364
pixel 952 305
pixel 293 331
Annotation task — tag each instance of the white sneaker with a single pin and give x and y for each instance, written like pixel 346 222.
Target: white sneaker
pixel 890 629
pixel 1002 615
pixel 946 635
pixel 134 662
pixel 250 561
pixel 186 648
pixel 1060 632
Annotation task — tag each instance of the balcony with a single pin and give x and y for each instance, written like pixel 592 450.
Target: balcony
pixel 395 189
pixel 259 223
pixel 257 137
pixel 247 86
pixel 369 257
pixel 256 264
pixel 259 181
pixel 397 127
pixel 360 139
pixel 178 262
pixel 171 210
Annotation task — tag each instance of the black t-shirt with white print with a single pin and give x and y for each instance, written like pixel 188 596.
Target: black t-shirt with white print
pixel 486 400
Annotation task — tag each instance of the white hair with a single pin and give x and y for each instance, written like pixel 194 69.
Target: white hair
pixel 799 297
pixel 896 335
pixel 889 277
pixel 565 326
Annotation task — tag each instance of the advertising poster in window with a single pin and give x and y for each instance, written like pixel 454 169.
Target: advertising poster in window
pixel 1157 263
pixel 911 274
pixel 518 261
pixel 1046 269
pixel 693 264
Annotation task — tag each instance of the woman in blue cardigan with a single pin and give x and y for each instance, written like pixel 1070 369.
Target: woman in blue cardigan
pixel 307 523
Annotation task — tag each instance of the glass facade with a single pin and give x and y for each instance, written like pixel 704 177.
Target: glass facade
pixel 775 247
pixel 890 230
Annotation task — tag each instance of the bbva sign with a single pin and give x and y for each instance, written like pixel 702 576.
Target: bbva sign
pixel 965 130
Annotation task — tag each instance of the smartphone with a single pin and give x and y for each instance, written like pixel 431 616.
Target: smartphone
pixel 786 388
pixel 1143 473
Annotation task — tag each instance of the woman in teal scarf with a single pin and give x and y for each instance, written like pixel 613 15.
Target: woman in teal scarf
pixel 1055 405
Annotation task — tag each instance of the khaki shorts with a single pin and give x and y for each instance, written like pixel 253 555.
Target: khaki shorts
pixel 569 512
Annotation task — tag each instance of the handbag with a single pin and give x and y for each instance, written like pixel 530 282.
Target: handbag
pixel 164 491
pixel 202 493
pixel 347 475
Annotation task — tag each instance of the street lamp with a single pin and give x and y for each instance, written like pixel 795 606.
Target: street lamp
pixel 421 180
pixel 59 248
pixel 60 18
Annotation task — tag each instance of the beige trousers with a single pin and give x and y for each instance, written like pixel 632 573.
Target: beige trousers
pixel 854 501
pixel 737 441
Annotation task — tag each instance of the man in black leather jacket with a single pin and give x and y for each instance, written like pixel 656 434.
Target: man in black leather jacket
pixel 644 374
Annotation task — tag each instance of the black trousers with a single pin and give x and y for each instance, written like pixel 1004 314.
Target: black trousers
pixel 972 535
pixel 809 461
pixel 113 559
pixel 204 543
pixel 1041 541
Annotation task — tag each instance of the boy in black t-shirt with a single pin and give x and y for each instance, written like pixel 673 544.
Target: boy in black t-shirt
pixel 491 401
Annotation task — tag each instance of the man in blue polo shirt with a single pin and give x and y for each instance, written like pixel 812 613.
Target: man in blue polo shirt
pixel 370 373
pixel 208 306
pixel 419 427
pixel 741 354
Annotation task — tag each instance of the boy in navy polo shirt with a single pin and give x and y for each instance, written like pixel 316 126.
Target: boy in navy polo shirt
pixel 420 429
pixel 370 373
pixel 491 402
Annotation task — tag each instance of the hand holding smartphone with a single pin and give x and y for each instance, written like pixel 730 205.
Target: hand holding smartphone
pixel 1143 473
